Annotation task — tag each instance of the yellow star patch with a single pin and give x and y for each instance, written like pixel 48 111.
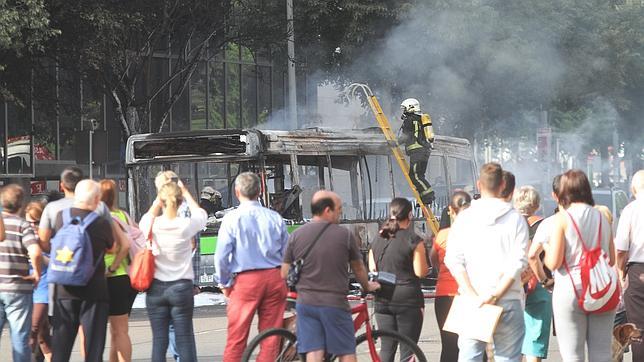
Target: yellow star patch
pixel 64 255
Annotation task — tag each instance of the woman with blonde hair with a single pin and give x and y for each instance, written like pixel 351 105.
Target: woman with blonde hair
pixel 170 297
pixel 118 282
pixel 537 313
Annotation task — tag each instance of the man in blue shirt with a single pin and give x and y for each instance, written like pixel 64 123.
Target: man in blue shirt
pixel 250 247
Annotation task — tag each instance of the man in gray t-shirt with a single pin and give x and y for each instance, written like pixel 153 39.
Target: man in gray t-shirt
pixel 68 180
pixel 323 314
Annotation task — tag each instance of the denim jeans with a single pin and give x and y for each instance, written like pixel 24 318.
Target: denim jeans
pixel 508 337
pixel 16 309
pixel 171 302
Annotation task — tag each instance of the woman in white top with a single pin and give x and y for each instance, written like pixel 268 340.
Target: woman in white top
pixel 170 297
pixel 575 328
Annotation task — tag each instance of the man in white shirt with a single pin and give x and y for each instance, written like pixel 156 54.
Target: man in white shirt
pixel 629 242
pixel 486 254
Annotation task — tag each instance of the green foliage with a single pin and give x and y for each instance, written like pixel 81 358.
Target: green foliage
pixel 24 25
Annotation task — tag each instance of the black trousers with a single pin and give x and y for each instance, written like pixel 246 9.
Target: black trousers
pixel 634 303
pixel 407 321
pixel 68 315
pixel 417 167
pixel 449 340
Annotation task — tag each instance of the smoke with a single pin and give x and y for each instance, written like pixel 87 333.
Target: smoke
pixel 462 63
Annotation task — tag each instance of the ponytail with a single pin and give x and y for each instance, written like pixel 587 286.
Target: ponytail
pixel 460 201
pixel 399 210
pixel 170 195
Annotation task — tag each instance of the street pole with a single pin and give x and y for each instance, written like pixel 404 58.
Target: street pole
pixel 91 140
pixel 93 126
pixel 292 95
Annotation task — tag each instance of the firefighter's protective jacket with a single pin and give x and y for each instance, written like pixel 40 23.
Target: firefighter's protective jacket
pixel 418 133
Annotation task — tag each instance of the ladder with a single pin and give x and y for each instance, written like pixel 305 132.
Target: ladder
pixel 390 136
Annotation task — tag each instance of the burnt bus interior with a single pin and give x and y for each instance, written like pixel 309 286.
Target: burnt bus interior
pixel 357 164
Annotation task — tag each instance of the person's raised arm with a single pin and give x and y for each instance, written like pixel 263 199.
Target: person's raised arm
pixel 192 204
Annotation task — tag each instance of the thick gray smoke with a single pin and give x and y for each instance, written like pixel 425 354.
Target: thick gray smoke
pixel 464 63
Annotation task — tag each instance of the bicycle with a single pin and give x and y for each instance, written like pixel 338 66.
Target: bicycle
pixel 282 342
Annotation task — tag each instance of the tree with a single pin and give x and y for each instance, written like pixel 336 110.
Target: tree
pixel 24 28
pixel 111 46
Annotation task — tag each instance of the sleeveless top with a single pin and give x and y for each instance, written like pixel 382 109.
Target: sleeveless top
pixel 109 258
pixel 396 256
pixel 587 219
pixel 446 285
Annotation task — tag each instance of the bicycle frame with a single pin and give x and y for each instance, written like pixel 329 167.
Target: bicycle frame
pixel 362 317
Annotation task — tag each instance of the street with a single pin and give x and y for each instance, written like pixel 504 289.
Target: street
pixel 210 335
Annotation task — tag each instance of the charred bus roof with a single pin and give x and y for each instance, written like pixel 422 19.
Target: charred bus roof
pixel 221 145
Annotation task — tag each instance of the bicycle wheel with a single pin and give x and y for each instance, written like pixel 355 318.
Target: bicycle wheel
pixel 274 344
pixel 390 346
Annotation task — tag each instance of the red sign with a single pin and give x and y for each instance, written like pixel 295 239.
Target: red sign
pixel 38 187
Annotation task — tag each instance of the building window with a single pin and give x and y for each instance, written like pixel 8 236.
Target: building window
pixel 198 98
pixel 216 95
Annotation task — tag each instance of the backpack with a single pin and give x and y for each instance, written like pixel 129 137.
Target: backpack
pixel 72 258
pixel 600 289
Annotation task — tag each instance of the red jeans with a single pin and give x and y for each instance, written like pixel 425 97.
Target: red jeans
pixel 261 291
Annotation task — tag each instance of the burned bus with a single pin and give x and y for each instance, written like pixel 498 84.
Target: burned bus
pixel 357 164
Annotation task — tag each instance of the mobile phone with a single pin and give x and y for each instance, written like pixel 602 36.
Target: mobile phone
pixel 174 179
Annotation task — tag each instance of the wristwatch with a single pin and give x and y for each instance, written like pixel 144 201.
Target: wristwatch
pixel 493 298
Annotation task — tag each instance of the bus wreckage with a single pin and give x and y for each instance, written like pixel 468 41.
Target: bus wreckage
pixel 357 164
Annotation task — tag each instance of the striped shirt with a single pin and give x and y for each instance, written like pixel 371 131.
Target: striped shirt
pixel 14 259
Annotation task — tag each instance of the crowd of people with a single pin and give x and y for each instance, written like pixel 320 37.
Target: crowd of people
pixel 496 250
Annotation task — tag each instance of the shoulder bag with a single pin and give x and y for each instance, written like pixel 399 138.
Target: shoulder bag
pixel 295 269
pixel 142 267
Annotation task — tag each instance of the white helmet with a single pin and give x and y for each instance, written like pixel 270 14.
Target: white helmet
pixel 410 105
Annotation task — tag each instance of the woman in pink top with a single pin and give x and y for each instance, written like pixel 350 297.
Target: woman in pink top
pixel 446 286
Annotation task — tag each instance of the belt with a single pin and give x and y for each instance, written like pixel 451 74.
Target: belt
pixel 259 269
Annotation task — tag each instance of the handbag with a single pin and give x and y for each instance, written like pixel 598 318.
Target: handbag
pixel 142 266
pixel 295 269
pixel 386 280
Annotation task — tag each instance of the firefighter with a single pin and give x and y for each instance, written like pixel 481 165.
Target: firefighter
pixel 210 200
pixel 418 139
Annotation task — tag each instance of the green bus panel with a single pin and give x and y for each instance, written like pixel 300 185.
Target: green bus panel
pixel 209 242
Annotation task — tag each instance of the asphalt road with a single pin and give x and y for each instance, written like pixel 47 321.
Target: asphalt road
pixel 210 336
